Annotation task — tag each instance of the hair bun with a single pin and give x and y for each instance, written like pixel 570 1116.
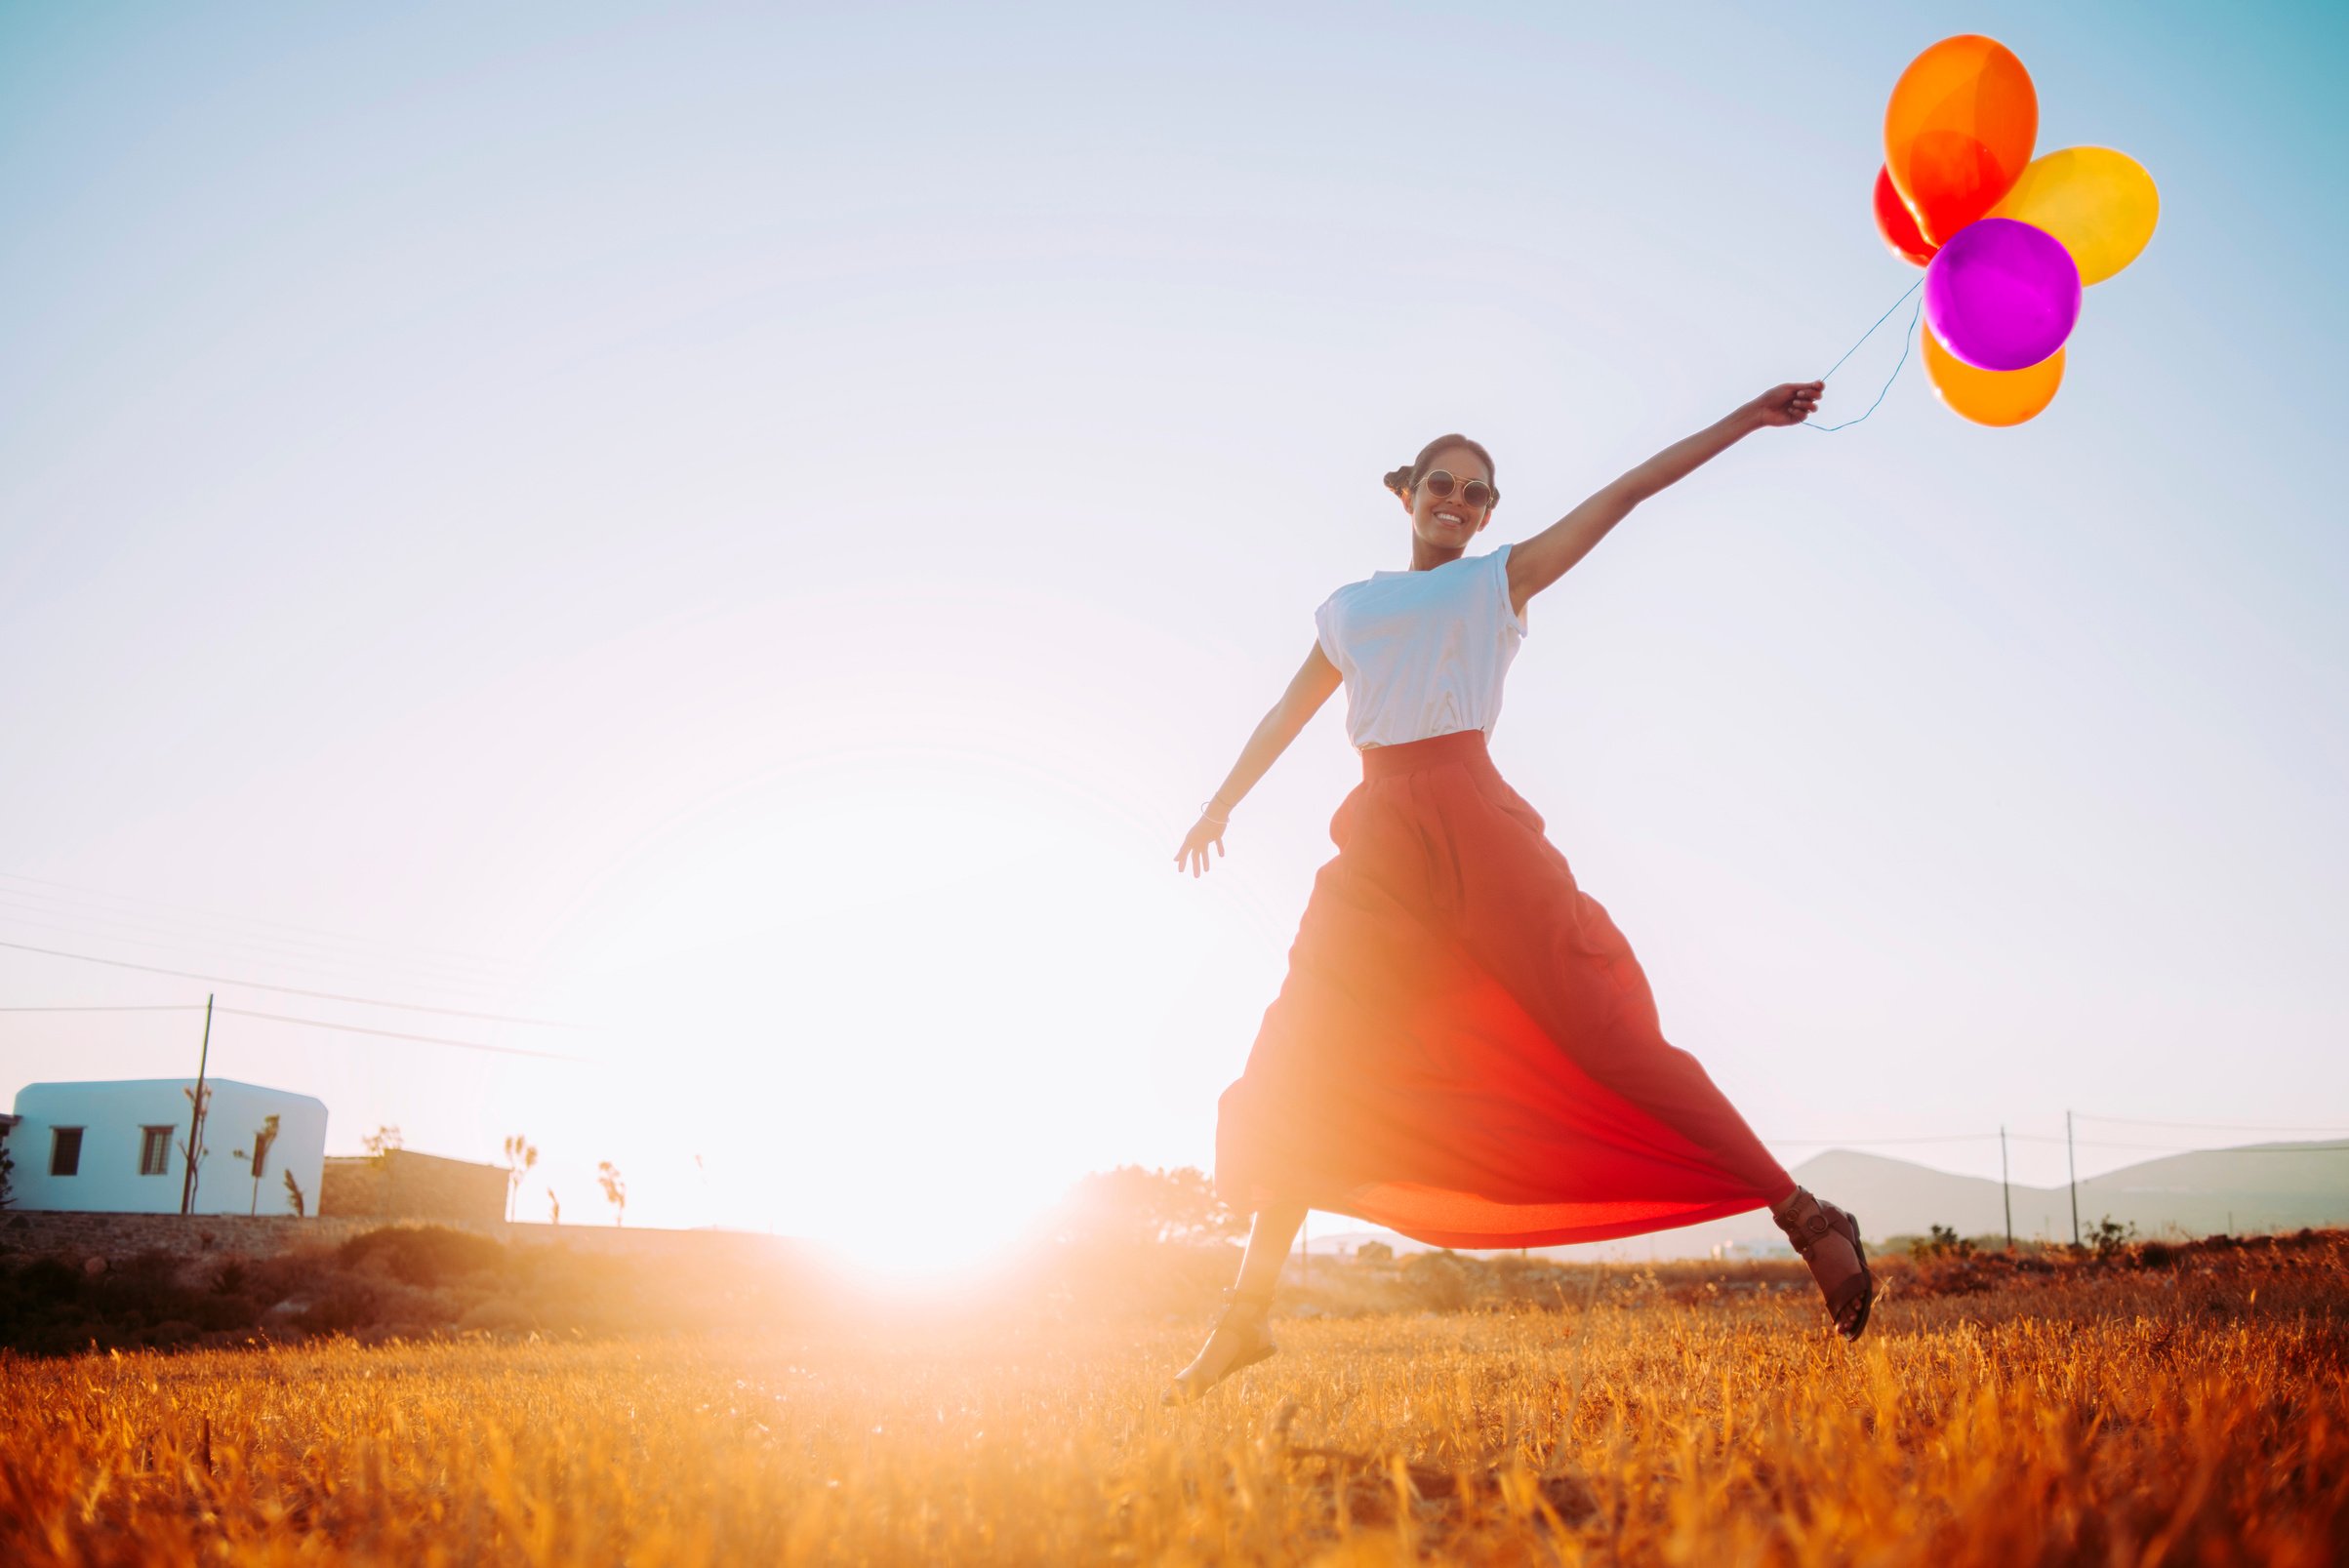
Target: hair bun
pixel 1398 480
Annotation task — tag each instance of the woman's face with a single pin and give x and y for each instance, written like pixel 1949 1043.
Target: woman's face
pixel 1449 523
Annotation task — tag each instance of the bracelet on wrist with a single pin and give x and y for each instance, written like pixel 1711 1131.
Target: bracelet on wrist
pixel 1208 813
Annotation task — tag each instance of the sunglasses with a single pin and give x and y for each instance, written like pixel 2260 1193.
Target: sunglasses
pixel 1475 493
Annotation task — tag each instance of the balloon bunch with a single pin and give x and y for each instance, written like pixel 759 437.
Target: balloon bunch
pixel 2006 240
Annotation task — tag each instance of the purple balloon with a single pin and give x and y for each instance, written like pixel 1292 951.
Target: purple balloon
pixel 2001 295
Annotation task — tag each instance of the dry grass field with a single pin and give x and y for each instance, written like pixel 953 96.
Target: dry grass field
pixel 2192 1412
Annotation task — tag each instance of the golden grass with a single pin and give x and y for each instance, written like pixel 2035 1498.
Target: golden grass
pixel 2162 1416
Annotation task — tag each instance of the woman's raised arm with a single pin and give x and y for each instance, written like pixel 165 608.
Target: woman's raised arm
pixel 1308 690
pixel 1551 553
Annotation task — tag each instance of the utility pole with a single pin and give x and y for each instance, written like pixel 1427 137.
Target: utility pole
pixel 2072 1166
pixel 2006 1189
pixel 195 1115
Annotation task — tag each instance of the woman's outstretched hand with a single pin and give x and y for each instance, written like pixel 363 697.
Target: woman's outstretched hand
pixel 1790 404
pixel 1193 853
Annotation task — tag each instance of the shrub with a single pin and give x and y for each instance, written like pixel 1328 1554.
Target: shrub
pixel 425 1254
pixel 1943 1243
pixel 141 1290
pixel 49 1279
pixel 1443 1281
pixel 2108 1236
pixel 347 1304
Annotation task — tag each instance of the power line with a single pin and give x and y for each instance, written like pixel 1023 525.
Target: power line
pixel 2168 1148
pixel 2223 1126
pixel 216 926
pixel 1938 1138
pixel 309 1022
pixel 152 1007
pixel 2032 1138
pixel 108 930
pixel 558 1056
pixel 288 991
pixel 394 1034
pixel 2250 1148
pixel 214 916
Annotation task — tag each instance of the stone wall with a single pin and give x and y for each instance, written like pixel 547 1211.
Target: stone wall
pixel 62 1231
pixel 50 1232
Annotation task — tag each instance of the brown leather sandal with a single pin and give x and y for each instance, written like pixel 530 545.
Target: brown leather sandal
pixel 1238 1340
pixel 1821 1232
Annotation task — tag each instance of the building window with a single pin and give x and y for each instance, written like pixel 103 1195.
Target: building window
pixel 65 1151
pixel 154 1151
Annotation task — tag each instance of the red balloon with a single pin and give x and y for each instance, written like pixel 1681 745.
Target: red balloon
pixel 1897 224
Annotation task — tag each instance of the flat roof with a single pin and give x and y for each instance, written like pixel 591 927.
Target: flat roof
pixel 171 1083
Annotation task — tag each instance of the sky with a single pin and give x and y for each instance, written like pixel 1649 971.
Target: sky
pixel 747 532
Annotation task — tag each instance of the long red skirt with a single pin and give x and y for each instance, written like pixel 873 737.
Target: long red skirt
pixel 1465 1049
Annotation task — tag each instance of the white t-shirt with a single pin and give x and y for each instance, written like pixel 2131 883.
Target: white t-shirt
pixel 1423 653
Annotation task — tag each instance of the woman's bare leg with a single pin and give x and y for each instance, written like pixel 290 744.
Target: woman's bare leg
pixel 1269 1241
pixel 1239 1338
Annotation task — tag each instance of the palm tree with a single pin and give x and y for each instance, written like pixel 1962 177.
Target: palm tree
pixel 262 1140
pixel 614 1190
pixel 520 1155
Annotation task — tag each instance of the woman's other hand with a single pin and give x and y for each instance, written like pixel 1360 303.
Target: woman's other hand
pixel 1790 404
pixel 1193 853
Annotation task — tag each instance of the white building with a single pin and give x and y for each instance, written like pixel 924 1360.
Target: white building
pixel 119 1147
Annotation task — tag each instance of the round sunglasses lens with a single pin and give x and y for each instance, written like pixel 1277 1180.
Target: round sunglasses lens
pixel 1477 493
pixel 1438 483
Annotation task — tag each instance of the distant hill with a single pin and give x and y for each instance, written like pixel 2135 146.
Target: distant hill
pixel 2264 1187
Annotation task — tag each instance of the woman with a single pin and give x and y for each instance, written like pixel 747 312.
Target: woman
pixel 1465 1049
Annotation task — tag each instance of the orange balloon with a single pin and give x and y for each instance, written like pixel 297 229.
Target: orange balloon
pixel 1958 130
pixel 1998 397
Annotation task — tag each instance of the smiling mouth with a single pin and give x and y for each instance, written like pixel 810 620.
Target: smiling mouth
pixel 1453 518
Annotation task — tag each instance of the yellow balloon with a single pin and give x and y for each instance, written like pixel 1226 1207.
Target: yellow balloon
pixel 1991 396
pixel 2100 203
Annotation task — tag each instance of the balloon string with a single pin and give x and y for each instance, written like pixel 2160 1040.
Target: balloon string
pixel 1907 339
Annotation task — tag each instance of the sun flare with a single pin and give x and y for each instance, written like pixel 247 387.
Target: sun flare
pixel 875 995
